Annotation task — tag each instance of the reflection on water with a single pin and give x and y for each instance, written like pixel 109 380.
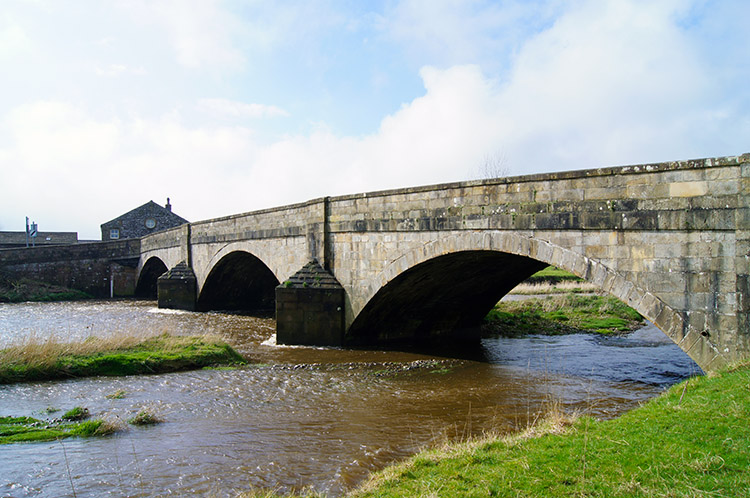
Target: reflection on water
pixel 300 416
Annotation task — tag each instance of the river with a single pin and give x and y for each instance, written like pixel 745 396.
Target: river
pixel 298 416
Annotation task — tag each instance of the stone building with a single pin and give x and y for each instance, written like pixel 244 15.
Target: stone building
pixel 141 221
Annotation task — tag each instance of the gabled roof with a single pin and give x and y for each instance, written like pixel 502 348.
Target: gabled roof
pixel 150 207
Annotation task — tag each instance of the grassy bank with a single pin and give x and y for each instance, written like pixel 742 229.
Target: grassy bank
pixel 22 290
pixel 561 314
pixel 70 424
pixel 50 360
pixel 692 441
pixel 552 275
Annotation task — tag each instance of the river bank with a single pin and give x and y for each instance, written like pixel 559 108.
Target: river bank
pixel 112 356
pixel 23 290
pixel 691 441
pixel 567 313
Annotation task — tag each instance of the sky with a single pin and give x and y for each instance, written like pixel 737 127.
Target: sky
pixel 229 106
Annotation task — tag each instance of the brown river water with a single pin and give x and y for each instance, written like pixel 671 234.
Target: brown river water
pixel 299 416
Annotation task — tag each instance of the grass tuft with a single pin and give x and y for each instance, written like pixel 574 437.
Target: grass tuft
pixel 76 414
pixel 119 394
pixel 145 417
pixel 29 429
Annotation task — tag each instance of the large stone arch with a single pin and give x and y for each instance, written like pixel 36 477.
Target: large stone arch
pixel 672 322
pixel 239 280
pixel 445 297
pixel 207 256
pixel 147 277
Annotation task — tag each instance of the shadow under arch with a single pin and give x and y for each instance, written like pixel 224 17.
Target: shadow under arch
pixel 441 299
pixel 671 322
pixel 147 280
pixel 239 281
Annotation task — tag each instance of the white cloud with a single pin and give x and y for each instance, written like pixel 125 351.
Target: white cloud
pixel 114 70
pixel 608 83
pixel 13 41
pixel 200 31
pixel 239 109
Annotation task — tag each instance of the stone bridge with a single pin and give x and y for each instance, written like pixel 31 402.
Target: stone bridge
pixel 672 240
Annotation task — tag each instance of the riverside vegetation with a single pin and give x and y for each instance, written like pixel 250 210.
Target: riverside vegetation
pixel 120 355
pixel 561 308
pixel 70 424
pixel 691 441
pixel 114 356
pixel 23 289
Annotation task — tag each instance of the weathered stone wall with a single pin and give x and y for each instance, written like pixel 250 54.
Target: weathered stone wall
pixel 97 268
pixel 668 238
pixel 170 246
pixel 285 239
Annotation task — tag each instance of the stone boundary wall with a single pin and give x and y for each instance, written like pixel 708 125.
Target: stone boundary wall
pixel 102 269
pixel 121 249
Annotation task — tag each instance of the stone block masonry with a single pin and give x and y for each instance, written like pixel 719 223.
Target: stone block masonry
pixel 102 269
pixel 177 288
pixel 310 308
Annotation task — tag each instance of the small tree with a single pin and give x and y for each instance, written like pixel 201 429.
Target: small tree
pixel 493 166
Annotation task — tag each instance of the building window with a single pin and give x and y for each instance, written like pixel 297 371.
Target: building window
pixel 114 233
pixel 150 223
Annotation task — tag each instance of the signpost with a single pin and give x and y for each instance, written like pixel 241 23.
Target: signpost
pixel 31 231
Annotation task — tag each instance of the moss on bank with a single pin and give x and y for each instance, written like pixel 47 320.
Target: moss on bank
pixel 160 354
pixel 561 314
pixel 28 429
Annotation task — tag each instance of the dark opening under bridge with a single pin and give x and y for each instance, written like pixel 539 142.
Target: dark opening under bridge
pixel 672 240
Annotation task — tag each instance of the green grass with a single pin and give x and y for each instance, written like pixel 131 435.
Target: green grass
pixel 553 275
pixel 28 429
pixel 692 441
pixel 76 414
pixel 560 314
pixel 144 417
pixel 161 354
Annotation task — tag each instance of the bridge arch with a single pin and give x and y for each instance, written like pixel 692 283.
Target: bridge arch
pixel 147 277
pixel 522 255
pixel 238 281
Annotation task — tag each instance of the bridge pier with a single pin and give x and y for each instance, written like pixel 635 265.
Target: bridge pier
pixel 176 288
pixel 310 308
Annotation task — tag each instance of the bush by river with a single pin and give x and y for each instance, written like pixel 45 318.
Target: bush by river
pixel 21 290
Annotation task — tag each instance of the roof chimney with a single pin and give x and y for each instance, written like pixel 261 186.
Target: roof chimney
pixel 168 206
